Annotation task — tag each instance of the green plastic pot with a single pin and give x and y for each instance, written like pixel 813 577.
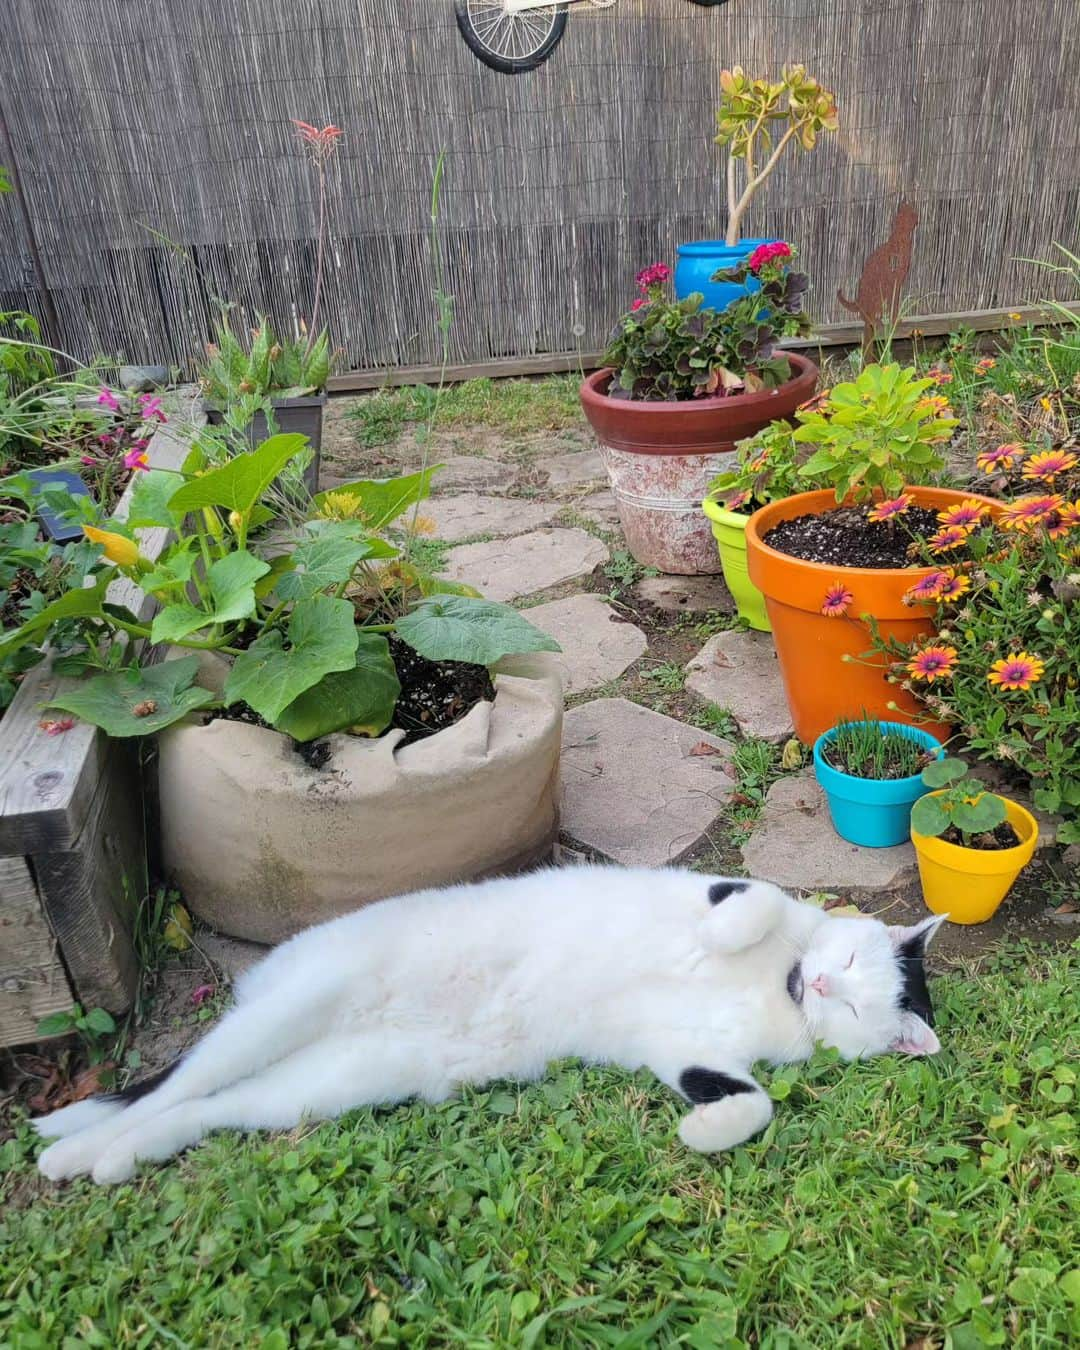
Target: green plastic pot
pixel 729 531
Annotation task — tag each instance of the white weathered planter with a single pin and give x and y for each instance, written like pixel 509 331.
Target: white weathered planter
pixel 261 845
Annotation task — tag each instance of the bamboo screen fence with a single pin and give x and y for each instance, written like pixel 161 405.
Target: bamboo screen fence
pixel 174 115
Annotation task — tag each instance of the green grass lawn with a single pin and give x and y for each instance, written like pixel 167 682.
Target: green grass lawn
pixel 511 406
pixel 893 1203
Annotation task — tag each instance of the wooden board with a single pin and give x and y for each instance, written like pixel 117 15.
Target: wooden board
pixel 33 983
pixel 561 363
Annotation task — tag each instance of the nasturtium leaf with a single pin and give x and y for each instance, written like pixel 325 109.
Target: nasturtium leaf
pixel 381 500
pixel 135 702
pixel 231 582
pixel 319 564
pixel 361 700
pixel 239 483
pixel 85 602
pixel 150 498
pixel 272 673
pixel 460 628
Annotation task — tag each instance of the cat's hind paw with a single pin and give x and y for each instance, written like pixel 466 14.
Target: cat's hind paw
pixel 721 1125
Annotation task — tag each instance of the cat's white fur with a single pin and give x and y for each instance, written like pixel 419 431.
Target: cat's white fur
pixel 420 994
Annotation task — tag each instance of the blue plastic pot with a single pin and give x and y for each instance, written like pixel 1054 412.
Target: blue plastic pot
pixel 869 811
pixel 698 261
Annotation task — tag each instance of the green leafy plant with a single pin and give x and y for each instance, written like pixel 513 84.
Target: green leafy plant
pixel 304 633
pixel 93 1027
pixel 767 470
pixel 249 372
pixel 959 801
pixel 875 434
pixel 666 350
pixel 866 749
pixel 757 120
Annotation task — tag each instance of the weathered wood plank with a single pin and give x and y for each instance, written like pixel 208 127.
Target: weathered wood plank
pixel 33 983
pixel 48 782
pixel 560 363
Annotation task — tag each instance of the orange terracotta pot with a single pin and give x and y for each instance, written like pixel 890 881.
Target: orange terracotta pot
pixel 822 687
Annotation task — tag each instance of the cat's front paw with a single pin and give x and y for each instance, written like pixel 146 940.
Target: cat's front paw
pixel 724 1124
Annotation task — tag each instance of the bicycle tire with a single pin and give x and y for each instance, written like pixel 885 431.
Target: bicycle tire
pixel 509 65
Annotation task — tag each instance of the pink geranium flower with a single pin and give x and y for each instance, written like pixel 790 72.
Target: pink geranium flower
pixel 765 253
pixel 656 275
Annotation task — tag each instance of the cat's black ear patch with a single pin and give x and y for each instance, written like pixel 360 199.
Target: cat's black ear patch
pixel 702 1086
pixel 720 890
pixel 915 995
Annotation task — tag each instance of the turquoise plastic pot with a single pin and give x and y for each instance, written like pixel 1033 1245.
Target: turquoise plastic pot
pixel 873 812
pixel 698 261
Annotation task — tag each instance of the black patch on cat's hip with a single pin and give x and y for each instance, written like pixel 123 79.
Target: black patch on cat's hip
pixel 720 890
pixel 702 1086
pixel 915 995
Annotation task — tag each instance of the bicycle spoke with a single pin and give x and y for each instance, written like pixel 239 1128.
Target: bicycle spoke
pixel 514 36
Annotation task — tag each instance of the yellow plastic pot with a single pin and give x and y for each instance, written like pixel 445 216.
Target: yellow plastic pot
pixel 968 884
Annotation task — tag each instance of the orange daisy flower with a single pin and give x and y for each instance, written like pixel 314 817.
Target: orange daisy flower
pixel 1049 464
pixel 1025 512
pixel 932 663
pixel 948 538
pixel 837 601
pixel 954 586
pixel 926 588
pixel 891 509
pixel 1019 671
pixel 1002 457
pixel 966 513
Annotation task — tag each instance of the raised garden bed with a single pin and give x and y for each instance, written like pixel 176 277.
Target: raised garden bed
pixel 72 837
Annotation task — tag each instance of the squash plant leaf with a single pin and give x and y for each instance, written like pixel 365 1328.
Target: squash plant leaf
pixel 381 500
pixel 238 484
pixel 460 628
pixel 278 667
pixel 361 700
pixel 134 702
pixel 231 581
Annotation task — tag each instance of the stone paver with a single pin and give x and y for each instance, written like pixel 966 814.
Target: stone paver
pixel 599 507
pixel 466 472
pixel 686 595
pixel 232 955
pixel 596 647
pixel 739 671
pixel 583 466
pixel 632 789
pixel 503 569
pixel 472 513
pixel 794 845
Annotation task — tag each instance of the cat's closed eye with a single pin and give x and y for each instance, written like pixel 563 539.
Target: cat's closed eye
pixel 851 961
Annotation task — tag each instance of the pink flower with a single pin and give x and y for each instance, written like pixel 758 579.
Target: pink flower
pixel 87 459
pixel 765 253
pixel 639 303
pixel 656 275
pixel 837 601
pixel 135 459
pixel 107 399
pixel 56 726
pixel 200 995
pixel 151 407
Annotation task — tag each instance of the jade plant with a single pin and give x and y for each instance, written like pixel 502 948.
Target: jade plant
pixel 304 632
pixel 757 120
pixel 959 801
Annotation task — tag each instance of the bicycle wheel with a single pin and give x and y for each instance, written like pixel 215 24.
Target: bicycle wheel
pixel 510 43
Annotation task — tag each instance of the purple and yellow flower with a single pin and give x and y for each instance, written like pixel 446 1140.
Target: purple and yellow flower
pixel 1047 465
pixel 926 588
pixel 1019 671
pixel 932 663
pixel 136 458
pixel 1025 512
pixel 891 509
pixel 948 538
pixel 837 601
pixel 1000 458
pixel 954 586
pixel 967 513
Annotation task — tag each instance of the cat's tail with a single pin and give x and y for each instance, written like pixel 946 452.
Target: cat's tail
pixel 848 304
pixel 81 1115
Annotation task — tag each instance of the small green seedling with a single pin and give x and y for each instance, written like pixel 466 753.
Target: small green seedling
pixel 94 1027
pixel 961 800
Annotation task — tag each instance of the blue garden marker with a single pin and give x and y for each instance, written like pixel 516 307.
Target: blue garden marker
pixel 60 530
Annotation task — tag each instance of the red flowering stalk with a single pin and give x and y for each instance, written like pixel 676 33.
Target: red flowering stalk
pixel 319 145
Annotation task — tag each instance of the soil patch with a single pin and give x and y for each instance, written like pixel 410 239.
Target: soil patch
pixel 435 694
pixel 847 538
pixel 1004 836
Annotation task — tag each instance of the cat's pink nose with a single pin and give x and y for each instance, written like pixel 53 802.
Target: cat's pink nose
pixel 820 984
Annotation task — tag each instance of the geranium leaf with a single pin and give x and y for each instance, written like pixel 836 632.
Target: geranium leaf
pixel 136 702
pixel 361 700
pixel 273 672
pixel 460 628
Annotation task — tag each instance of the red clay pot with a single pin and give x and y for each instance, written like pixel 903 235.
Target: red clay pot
pixel 661 457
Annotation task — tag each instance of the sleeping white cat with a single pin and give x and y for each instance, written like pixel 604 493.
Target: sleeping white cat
pixel 694 977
